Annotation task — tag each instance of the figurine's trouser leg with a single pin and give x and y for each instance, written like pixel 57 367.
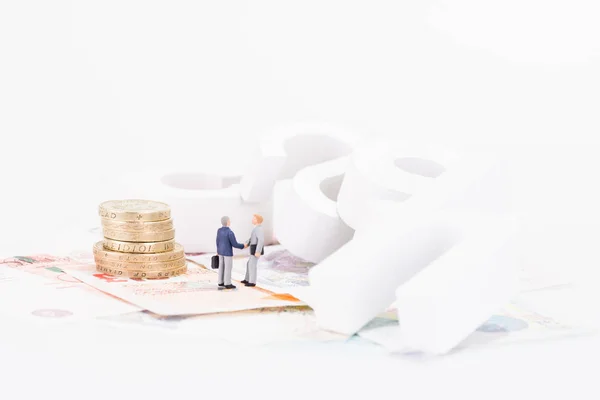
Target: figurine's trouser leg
pixel 221 269
pixel 251 271
pixel 247 271
pixel 228 266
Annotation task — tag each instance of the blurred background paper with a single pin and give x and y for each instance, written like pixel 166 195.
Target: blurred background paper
pixel 91 91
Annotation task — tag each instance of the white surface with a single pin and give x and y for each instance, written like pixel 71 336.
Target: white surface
pixel 66 362
pixel 93 89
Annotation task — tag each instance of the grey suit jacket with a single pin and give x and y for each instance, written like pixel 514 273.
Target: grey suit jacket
pixel 257 237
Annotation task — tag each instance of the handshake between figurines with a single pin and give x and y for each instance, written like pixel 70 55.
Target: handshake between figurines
pixel 226 241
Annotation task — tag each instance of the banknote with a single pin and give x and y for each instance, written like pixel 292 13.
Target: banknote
pixel 513 324
pixel 10 278
pixel 279 270
pixel 258 327
pixel 195 292
pixel 44 278
pixel 29 297
pixel 529 282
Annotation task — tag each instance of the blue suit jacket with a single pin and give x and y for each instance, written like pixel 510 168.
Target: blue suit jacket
pixel 226 241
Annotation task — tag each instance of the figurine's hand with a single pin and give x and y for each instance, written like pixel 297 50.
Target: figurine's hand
pixel 257 254
pixel 245 245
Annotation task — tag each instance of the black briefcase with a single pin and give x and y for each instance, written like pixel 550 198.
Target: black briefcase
pixel 253 250
pixel 214 262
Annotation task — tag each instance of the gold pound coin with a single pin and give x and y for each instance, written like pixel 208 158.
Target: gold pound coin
pixel 137 226
pixel 108 255
pixel 134 210
pixel 139 248
pixel 141 274
pixel 139 237
pixel 158 266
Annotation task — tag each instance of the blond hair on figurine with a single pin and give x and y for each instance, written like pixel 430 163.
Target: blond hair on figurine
pixel 259 218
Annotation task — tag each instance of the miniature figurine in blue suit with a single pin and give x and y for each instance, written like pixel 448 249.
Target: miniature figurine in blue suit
pixel 225 243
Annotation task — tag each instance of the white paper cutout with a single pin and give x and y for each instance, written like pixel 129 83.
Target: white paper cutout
pixel 358 281
pixel 289 149
pixel 305 216
pixel 396 171
pixel 449 299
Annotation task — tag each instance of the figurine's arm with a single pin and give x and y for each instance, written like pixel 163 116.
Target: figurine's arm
pixel 234 242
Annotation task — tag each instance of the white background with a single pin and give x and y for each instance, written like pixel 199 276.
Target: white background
pixel 90 91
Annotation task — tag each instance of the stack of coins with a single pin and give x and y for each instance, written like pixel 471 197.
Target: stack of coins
pixel 139 241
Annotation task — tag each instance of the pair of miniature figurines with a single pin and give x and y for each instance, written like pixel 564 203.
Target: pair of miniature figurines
pixel 226 241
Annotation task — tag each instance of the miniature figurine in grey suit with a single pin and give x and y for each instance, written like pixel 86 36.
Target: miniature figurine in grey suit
pixel 257 248
pixel 225 243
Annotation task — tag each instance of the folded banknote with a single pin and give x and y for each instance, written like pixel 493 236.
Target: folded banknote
pixel 264 326
pixel 279 270
pixel 39 286
pixel 513 324
pixel 195 292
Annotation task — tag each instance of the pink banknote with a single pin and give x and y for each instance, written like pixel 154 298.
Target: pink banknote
pixel 52 292
pixel 279 271
pixel 196 292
